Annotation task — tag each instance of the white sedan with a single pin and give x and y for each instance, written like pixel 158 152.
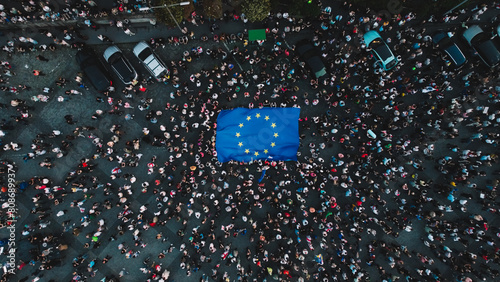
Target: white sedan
pixel 151 61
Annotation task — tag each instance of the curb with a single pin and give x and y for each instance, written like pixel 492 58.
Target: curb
pixel 145 18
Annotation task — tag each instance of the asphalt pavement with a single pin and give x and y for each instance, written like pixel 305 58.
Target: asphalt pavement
pixel 49 116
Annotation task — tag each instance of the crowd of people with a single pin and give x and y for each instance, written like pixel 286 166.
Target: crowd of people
pixel 36 11
pixel 335 214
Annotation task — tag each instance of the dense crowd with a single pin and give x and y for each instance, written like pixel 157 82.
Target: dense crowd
pixel 33 11
pixel 319 218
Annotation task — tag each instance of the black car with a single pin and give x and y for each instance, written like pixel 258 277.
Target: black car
pixel 446 45
pixel 487 48
pixel 309 55
pixel 120 65
pixel 93 70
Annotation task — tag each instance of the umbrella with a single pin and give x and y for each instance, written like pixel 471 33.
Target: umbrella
pixel 95 238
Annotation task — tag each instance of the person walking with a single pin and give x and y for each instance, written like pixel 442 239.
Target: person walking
pixel 104 38
pixel 38 73
pixel 123 272
pixel 129 32
pixel 42 58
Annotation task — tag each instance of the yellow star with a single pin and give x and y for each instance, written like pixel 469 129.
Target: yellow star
pixel 249 117
pixel 257 115
pixel 238 134
pixel 265 151
pixel 266 118
pixel 273 125
pixel 247 151
pixel 240 144
pixel 272 144
pixel 256 153
pixel 241 125
pixel 275 135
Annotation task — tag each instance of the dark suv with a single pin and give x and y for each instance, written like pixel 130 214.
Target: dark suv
pixel 446 45
pixel 486 46
pixel 309 55
pixel 93 69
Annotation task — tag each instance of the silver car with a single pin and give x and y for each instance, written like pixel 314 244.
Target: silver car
pixel 120 65
pixel 151 61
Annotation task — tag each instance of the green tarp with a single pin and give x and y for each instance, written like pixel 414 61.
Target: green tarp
pixel 256 34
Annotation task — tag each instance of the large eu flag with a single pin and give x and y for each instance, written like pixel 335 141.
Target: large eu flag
pixel 253 134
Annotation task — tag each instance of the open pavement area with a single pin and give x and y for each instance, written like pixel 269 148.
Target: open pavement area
pixel 396 175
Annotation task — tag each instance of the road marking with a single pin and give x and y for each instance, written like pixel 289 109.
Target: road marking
pixel 287 44
pixel 232 55
pixel 14 155
pixel 55 67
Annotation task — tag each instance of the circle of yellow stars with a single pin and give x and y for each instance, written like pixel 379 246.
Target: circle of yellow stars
pixel 256 153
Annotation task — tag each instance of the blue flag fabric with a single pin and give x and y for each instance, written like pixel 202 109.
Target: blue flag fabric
pixel 252 134
pixel 262 175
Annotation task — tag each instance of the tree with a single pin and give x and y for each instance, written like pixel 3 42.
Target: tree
pixel 162 14
pixel 212 9
pixel 302 8
pixel 188 10
pixel 256 10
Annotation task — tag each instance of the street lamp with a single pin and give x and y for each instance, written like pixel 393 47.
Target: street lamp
pixel 184 3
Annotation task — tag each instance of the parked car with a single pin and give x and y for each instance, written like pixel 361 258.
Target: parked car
pixel 309 55
pixel 120 65
pixel 380 50
pixel 486 47
pixel 443 41
pixel 150 60
pixel 94 70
